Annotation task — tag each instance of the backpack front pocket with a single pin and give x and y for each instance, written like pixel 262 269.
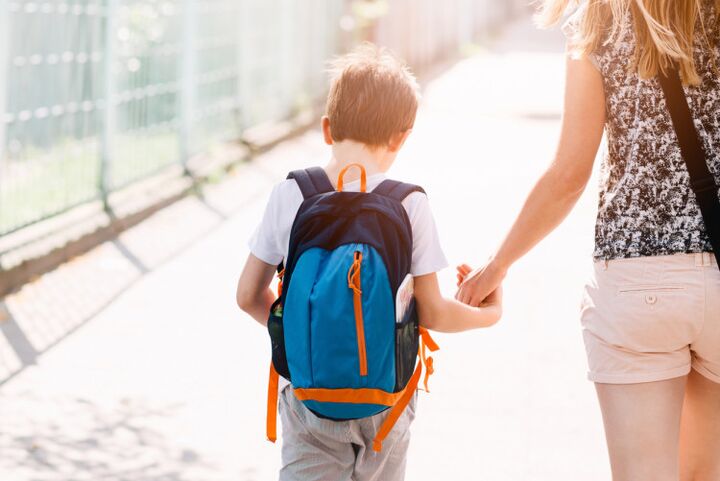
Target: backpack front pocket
pixel 340 324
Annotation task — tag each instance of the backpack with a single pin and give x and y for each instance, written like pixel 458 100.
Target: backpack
pixel 333 329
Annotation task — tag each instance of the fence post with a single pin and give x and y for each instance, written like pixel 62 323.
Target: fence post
pixel 240 84
pixel 4 49
pixel 187 82
pixel 108 125
pixel 245 68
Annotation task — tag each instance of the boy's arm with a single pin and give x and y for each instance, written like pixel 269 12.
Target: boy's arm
pixel 254 295
pixel 448 315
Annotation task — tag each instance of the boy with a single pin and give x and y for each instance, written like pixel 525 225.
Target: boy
pixel 370 112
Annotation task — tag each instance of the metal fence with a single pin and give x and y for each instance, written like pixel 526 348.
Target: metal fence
pixel 95 95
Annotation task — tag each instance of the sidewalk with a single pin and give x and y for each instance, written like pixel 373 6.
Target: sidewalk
pixel 168 381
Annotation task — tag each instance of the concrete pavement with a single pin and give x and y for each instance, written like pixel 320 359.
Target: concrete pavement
pixel 133 363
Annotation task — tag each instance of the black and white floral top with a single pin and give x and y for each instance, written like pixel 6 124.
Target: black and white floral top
pixel 646 205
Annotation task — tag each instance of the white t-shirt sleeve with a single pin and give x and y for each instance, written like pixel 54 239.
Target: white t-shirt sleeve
pixel 427 256
pixel 271 239
pixel 265 243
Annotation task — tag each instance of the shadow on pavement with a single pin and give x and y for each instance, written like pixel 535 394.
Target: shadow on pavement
pixel 50 309
pixel 81 440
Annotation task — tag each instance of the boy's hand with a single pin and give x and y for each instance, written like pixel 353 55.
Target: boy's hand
pixel 480 284
pixel 462 271
pixel 495 297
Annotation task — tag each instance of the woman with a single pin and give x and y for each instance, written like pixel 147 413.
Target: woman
pixel 651 312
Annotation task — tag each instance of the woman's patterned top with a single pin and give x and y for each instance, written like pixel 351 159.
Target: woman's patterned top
pixel 646 205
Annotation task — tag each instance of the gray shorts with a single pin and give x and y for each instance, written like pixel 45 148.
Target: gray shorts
pixel 315 449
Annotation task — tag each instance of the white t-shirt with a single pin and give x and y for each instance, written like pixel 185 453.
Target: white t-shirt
pixel 271 241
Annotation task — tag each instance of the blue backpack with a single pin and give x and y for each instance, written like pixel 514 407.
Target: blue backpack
pixel 333 328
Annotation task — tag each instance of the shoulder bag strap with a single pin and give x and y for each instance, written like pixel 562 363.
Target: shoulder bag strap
pixel 701 179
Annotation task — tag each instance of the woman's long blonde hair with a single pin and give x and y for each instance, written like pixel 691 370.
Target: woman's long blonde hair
pixel 665 30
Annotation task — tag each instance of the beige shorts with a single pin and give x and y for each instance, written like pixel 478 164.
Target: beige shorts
pixel 652 318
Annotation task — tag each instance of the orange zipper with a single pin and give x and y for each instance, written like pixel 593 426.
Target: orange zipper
pixel 355 285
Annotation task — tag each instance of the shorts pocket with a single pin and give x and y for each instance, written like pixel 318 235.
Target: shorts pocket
pixel 649 288
pixel 645 305
pixel 646 318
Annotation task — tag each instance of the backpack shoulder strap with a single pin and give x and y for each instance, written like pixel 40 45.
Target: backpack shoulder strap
pixel 312 181
pixel 397 190
pixel 701 179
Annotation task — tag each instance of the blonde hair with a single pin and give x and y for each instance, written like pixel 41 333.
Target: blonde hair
pixel 373 96
pixel 664 29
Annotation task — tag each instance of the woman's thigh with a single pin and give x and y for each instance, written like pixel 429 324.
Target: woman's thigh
pixel 642 427
pixel 700 430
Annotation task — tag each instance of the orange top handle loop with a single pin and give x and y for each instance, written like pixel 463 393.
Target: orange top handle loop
pixel 363 177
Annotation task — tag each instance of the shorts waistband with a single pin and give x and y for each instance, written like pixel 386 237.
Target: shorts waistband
pixel 697 259
pixel 705 259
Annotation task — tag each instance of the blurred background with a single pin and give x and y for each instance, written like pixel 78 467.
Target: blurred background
pixel 139 141
pixel 98 95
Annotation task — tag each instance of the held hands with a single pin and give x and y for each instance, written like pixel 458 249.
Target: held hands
pixel 480 287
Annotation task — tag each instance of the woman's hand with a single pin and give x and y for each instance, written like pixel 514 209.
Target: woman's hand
pixel 482 286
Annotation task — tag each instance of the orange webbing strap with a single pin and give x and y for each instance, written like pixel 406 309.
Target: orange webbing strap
pixel 273 380
pixel 272 402
pixel 363 177
pixel 349 395
pixel 426 341
pixel 398 409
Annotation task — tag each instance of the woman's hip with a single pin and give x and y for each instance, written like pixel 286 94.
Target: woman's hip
pixel 650 318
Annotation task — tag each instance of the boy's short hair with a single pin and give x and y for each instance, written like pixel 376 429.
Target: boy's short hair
pixel 373 96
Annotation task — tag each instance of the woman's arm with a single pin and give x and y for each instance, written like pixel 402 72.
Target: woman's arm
pixel 448 315
pixel 559 188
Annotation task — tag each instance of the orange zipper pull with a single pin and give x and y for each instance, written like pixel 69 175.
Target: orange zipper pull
pixel 354 283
